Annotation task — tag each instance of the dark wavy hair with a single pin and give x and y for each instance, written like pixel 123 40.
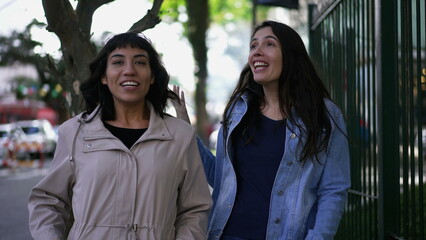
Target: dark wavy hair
pixel 300 88
pixel 95 93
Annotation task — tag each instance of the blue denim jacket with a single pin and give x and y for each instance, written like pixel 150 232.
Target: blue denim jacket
pixel 307 200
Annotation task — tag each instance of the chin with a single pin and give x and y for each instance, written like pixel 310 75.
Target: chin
pixel 261 81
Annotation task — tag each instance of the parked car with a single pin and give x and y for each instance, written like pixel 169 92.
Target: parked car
pixel 5 130
pixel 11 136
pixel 40 137
pixel 4 133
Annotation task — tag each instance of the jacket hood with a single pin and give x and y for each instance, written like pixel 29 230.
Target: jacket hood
pixel 86 117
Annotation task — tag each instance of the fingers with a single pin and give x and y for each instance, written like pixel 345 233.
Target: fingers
pixel 176 89
pixel 180 106
pixel 181 94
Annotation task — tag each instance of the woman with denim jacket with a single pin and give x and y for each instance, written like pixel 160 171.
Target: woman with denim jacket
pixel 281 169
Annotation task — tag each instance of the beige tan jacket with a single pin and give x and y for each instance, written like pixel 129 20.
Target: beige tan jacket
pixel 97 188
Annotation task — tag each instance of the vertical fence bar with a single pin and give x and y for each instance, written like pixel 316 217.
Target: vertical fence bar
pixel 367 101
pixel 410 81
pixel 375 115
pixel 352 118
pixel 403 120
pixel 387 85
pixel 362 109
pixel 367 81
pixel 359 123
pixel 350 44
pixel 421 46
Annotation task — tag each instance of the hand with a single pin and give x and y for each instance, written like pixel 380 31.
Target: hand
pixel 180 106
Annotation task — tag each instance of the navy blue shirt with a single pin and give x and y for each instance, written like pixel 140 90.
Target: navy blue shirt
pixel 256 161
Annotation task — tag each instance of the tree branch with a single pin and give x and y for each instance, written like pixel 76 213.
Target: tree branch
pixel 85 10
pixel 60 17
pixel 149 20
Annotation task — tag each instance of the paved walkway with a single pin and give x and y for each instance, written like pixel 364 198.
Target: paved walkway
pixel 25 167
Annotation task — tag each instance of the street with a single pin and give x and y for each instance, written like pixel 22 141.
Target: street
pixel 14 191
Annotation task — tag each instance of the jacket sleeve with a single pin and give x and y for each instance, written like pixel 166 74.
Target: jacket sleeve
pixel 194 200
pixel 208 160
pixel 334 184
pixel 50 213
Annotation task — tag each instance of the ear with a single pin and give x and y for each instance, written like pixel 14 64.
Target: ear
pixel 103 80
pixel 152 79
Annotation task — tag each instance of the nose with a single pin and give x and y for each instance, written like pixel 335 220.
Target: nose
pixel 257 51
pixel 129 69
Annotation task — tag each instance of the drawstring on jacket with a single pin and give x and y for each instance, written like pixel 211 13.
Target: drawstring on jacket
pixel 80 121
pixel 133 228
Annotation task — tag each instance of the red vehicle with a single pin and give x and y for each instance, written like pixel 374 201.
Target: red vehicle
pixel 26 110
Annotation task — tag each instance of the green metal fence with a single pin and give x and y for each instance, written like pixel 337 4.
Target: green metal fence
pixel 372 55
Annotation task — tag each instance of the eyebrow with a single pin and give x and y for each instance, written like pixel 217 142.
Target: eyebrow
pixel 269 36
pixel 135 56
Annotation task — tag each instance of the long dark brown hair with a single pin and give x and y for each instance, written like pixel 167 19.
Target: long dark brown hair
pixel 300 89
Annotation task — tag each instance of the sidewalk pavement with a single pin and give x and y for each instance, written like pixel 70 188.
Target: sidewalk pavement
pixel 24 166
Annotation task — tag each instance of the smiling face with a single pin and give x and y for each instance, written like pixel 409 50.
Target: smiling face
pixel 265 58
pixel 128 75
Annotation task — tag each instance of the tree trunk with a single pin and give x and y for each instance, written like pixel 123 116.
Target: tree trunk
pixel 198 24
pixel 77 49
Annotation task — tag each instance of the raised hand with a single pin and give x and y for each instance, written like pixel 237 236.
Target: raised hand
pixel 180 106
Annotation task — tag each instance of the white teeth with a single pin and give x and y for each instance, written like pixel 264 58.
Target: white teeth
pixel 129 83
pixel 260 64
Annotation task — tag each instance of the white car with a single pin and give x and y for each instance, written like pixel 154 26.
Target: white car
pixel 4 134
pixel 40 137
pixel 11 135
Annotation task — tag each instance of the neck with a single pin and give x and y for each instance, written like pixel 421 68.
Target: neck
pixel 131 117
pixel 272 112
pixel 271 107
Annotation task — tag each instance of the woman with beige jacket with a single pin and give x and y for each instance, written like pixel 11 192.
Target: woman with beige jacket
pixel 123 169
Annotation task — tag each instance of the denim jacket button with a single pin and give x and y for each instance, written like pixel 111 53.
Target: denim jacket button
pixel 292 135
pixel 280 192
pixel 289 163
pixel 277 220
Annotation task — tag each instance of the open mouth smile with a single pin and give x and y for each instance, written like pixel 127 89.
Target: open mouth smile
pixel 129 84
pixel 260 65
